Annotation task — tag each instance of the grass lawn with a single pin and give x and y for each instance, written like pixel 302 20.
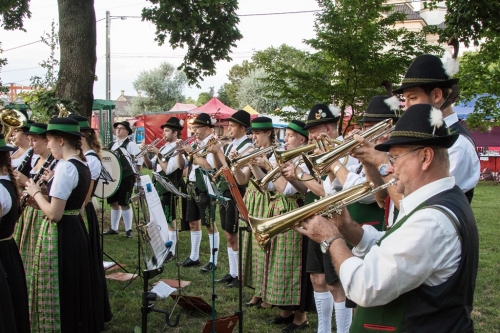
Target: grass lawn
pixel 126 304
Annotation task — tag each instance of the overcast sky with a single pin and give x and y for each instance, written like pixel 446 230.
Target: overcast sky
pixel 133 48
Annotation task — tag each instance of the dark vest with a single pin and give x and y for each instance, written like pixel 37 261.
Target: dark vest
pixel 9 220
pixel 442 308
pixel 458 128
pixel 175 177
pixel 79 193
pixel 127 170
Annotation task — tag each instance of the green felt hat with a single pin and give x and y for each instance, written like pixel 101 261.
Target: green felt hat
pixel 64 125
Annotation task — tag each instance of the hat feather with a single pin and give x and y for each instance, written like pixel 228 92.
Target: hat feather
pixel 436 118
pixel 392 103
pixel 213 120
pixel 181 122
pixel 334 110
pixel 450 65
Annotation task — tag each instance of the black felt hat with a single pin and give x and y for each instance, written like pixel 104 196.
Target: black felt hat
pixel 204 119
pixel 381 108
pixel 26 127
pixel 262 123
pixel 124 124
pixel 298 126
pixel 173 123
pixel 63 125
pixel 37 129
pixel 420 125
pixel 426 70
pixel 322 114
pixel 240 117
pixel 83 122
pixel 3 144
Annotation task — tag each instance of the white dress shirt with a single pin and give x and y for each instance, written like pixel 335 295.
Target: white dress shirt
pixel 132 148
pixel 464 162
pixel 172 164
pixel 5 198
pixel 424 250
pixel 209 158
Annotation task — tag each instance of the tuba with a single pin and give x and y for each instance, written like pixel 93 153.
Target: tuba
pixel 319 164
pixel 265 229
pixel 12 119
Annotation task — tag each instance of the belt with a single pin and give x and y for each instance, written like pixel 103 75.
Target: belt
pixel 72 212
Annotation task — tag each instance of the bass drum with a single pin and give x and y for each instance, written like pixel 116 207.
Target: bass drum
pixel 111 165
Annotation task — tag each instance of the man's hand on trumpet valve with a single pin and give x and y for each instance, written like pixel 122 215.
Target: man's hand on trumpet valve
pixel 288 171
pixel 319 228
pixel 262 162
pixel 214 148
pixel 233 154
pixel 153 150
pixel 367 154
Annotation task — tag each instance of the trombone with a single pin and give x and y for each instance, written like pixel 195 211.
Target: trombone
pixel 265 229
pixel 319 164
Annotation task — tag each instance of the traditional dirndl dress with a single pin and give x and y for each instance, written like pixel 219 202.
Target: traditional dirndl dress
pixel 63 290
pixel 254 259
pixel 12 280
pixel 283 279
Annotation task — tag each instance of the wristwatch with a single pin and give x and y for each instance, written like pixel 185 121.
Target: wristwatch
pixel 383 170
pixel 325 245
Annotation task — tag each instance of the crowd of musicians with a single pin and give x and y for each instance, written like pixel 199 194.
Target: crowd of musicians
pixel 403 258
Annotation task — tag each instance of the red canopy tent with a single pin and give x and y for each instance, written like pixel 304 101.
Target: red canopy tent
pixel 153 121
pixel 182 107
pixel 215 107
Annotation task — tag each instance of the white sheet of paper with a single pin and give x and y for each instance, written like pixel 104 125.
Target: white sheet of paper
pixel 154 205
pixel 163 290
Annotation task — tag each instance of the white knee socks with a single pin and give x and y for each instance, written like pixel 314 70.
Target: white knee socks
pixel 172 236
pixel 232 258
pixel 343 317
pixel 116 214
pixel 195 245
pixel 127 218
pixel 324 308
pixel 214 244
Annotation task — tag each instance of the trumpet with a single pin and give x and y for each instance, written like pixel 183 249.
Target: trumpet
pixel 145 148
pixel 173 152
pixel 230 162
pixel 211 142
pixel 265 229
pixel 286 155
pixel 319 164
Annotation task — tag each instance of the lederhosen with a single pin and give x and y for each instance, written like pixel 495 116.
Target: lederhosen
pixel 124 191
pixel 229 213
pixel 14 293
pixel 458 128
pixel 369 214
pixel 317 261
pixel 442 308
pixel 167 198
pixel 198 201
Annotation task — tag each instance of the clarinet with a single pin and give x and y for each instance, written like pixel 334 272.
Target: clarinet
pixel 23 163
pixel 48 164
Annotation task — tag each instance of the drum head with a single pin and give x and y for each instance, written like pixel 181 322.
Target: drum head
pixel 111 163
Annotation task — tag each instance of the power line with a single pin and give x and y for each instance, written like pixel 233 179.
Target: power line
pixel 280 13
pixel 13 48
pixel 20 69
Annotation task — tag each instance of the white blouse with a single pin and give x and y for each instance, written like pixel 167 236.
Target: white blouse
pixel 65 180
pixel 5 199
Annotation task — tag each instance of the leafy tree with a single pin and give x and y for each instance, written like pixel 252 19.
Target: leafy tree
pixel 204 97
pixel 207 28
pixel 357 46
pixel 161 88
pixel 3 62
pixel 254 91
pixel 235 75
pixel 49 81
pixel 13 13
pixel 189 100
pixel 222 94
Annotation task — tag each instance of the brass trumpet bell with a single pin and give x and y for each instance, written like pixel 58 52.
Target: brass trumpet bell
pixel 265 229
pixel 12 119
pixel 319 165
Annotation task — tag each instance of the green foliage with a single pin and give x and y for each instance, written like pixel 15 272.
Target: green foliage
pixel 13 14
pixel 208 29
pixel 51 64
pixel 3 62
pixel 357 47
pixel 235 75
pixel 42 103
pixel 205 96
pixel 189 100
pixel 223 96
pixel 161 88
pixel 479 74
pixel 256 93
pixel 469 20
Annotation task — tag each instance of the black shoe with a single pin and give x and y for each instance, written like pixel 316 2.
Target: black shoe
pixel 226 279
pixel 189 263
pixel 257 304
pixel 233 284
pixel 294 327
pixel 170 256
pixel 128 233
pixel 110 232
pixel 208 268
pixel 279 320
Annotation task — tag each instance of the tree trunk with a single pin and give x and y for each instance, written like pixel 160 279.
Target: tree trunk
pixel 77 38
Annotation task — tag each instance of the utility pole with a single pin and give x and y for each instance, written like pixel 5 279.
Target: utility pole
pixel 108 56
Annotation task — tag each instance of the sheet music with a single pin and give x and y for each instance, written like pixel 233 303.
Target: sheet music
pixel 167 184
pixel 163 290
pixel 155 207
pixel 155 240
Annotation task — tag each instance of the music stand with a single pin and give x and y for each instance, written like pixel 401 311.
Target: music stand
pixel 214 193
pixel 106 177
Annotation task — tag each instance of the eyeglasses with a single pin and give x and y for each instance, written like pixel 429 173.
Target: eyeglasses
pixel 121 128
pixel 393 159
